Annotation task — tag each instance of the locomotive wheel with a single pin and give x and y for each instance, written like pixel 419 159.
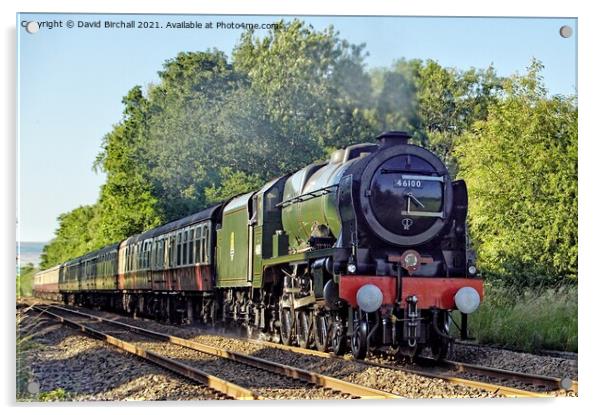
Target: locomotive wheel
pixel 286 326
pixel 320 331
pixel 359 339
pixel 304 330
pixel 440 348
pixel 338 336
pixel 440 345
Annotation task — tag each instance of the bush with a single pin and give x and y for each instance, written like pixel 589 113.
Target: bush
pixel 520 166
pixel 530 319
pixel 25 280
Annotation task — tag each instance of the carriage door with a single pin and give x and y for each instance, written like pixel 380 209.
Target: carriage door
pixel 254 230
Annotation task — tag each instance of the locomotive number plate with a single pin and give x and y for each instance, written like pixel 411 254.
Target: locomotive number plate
pixel 411 183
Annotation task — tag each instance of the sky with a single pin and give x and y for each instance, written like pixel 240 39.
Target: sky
pixel 71 81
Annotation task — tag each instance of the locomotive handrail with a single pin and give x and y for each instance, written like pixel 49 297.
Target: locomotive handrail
pixel 309 195
pixel 422 177
pixel 421 173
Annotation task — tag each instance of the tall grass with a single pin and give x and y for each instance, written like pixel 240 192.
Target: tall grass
pixel 25 280
pixel 527 319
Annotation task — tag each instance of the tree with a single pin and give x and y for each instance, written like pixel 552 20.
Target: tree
pixel 74 237
pixel 313 86
pixel 183 142
pixel 434 104
pixel 520 165
pixel 126 205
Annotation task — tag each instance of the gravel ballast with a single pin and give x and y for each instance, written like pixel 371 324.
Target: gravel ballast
pixel 389 380
pixel 394 381
pixel 517 361
pixel 90 370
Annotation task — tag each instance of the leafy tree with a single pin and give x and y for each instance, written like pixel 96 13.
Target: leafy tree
pixel 520 165
pixel 213 128
pixel 435 104
pixel 232 183
pixel 183 142
pixel 126 205
pixel 74 237
pixel 395 98
pixel 313 86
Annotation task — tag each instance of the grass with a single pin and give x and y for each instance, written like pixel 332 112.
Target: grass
pixel 23 374
pixel 54 395
pixel 25 379
pixel 527 319
pixel 25 280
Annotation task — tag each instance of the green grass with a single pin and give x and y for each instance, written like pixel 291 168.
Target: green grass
pixel 527 319
pixel 54 395
pixel 25 344
pixel 25 280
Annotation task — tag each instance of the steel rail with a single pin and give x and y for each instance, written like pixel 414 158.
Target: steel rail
pixel 564 383
pixel 220 385
pixel 318 379
pixel 504 390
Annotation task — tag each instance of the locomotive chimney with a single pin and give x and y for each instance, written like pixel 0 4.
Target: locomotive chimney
pixel 391 138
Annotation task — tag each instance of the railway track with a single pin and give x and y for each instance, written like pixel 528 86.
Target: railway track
pixel 500 381
pixel 481 377
pixel 221 370
pixel 536 382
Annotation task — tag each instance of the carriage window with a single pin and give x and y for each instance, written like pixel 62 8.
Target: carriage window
pixel 203 244
pixel 168 249
pixel 168 252
pixel 160 254
pixel 153 254
pixel 179 256
pixel 197 245
pixel 190 246
pixel 272 199
pixel 206 244
pixel 184 248
pixel 149 250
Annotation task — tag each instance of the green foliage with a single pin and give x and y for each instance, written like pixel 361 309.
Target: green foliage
pixel 55 395
pixel 25 280
pixel 312 85
pixel 435 104
pixel 182 142
pixel 24 346
pixel 521 168
pixel 213 128
pixel 126 205
pixel 527 319
pixel 73 237
pixel 232 183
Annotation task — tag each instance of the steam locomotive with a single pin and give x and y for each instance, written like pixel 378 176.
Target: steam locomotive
pixel 365 251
